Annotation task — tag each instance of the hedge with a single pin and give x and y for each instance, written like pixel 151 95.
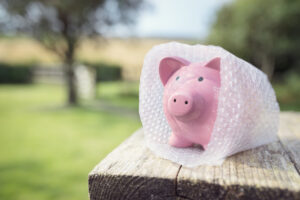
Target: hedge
pixel 24 73
pixel 15 73
pixel 106 72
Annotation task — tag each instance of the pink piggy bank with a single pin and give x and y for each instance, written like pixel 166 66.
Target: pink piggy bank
pixel 190 99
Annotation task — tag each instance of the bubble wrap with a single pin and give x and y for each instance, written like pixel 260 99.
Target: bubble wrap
pixel 247 116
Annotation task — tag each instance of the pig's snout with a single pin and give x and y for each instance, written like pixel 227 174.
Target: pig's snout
pixel 180 104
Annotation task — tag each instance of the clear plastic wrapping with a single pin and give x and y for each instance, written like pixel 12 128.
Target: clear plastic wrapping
pixel 247 117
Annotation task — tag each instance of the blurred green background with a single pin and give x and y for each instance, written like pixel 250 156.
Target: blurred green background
pixel 69 73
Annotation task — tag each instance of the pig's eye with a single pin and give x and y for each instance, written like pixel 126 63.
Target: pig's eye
pixel 200 79
pixel 177 78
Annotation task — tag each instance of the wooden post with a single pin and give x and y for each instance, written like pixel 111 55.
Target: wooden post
pixel 272 171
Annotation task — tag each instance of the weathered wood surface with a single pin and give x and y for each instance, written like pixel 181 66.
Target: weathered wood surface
pixel 131 171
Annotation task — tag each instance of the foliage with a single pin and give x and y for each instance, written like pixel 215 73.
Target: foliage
pixel 265 33
pixel 60 25
pixel 288 92
pixel 106 71
pixel 46 150
pixel 56 23
pixel 15 74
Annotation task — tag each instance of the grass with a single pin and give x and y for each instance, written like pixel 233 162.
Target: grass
pixel 47 149
pixel 119 93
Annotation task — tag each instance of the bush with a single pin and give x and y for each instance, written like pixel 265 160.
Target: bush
pixel 288 91
pixel 15 73
pixel 106 72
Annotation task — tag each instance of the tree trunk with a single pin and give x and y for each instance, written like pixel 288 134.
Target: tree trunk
pixel 71 85
pixel 71 41
pixel 70 74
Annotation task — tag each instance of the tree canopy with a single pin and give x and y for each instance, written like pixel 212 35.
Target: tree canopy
pixel 265 33
pixel 51 22
pixel 60 24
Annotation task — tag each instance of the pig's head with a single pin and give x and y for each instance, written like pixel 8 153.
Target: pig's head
pixel 190 88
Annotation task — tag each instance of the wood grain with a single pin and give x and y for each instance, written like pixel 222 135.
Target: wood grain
pixel 289 134
pixel 131 171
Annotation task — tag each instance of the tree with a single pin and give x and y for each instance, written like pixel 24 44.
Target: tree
pixel 265 33
pixel 61 24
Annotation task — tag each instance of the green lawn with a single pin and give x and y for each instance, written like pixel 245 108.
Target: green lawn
pixel 47 149
pixel 118 93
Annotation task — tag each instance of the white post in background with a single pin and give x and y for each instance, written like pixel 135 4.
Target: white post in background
pixel 85 82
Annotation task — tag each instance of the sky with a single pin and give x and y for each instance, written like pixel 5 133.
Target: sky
pixel 174 19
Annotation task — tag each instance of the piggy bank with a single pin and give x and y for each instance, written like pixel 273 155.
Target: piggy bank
pixel 190 99
pixel 211 98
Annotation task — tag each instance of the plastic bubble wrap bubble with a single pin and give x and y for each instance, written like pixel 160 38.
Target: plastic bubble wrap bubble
pixel 247 116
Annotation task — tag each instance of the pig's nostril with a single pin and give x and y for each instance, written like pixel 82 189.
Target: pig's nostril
pixel 186 102
pixel 174 100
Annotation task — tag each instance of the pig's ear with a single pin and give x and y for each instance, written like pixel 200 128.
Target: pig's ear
pixel 168 66
pixel 214 63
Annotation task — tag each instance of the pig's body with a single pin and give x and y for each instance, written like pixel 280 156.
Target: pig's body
pixel 190 99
